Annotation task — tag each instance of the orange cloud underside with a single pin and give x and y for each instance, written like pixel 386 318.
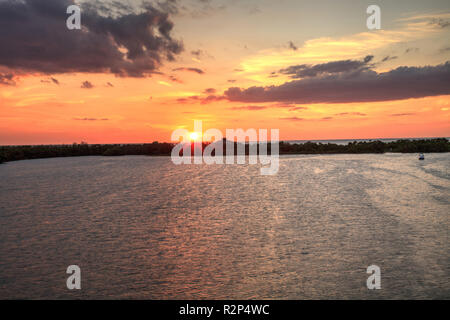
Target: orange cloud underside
pixel 137 110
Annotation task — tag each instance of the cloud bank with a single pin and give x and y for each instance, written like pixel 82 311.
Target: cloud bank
pixel 349 81
pixel 34 38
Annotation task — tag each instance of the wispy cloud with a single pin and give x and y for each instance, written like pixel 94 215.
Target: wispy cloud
pixel 252 108
pixel 388 58
pixel 200 99
pixel 292 46
pixel 210 91
pixel 292 119
pixel 351 114
pixel 320 50
pixel 91 119
pixel 333 67
pixel 403 114
pixel 195 70
pixel 7 79
pixel 87 85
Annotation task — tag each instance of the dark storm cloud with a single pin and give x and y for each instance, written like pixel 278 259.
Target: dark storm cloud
pixel 7 79
pixel 196 70
pixel 87 85
pixel 34 37
pixel 354 86
pixel 305 70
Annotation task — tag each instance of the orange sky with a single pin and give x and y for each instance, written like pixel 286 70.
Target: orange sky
pixel 36 110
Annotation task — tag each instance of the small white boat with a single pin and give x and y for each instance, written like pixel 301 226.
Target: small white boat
pixel 421 156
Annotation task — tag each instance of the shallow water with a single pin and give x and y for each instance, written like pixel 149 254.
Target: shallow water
pixel 141 227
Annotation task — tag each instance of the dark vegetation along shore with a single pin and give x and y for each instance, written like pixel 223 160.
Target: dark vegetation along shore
pixel 13 153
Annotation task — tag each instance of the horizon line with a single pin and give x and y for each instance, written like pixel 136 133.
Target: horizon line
pixel 175 142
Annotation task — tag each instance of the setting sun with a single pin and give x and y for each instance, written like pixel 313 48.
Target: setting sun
pixel 194 136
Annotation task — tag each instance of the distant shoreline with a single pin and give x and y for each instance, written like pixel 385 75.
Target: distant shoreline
pixel 299 141
pixel 346 141
pixel 15 153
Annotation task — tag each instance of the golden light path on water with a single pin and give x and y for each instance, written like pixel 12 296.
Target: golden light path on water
pixel 141 227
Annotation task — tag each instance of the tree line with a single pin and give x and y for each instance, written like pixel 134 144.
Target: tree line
pixel 13 153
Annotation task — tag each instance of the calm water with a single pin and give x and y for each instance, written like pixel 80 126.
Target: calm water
pixel 141 227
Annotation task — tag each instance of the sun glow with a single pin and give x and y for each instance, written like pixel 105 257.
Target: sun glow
pixel 194 136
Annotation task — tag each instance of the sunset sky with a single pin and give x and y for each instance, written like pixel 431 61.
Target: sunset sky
pixel 137 70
